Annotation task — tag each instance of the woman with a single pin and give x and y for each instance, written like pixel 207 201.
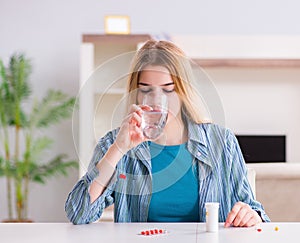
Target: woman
pixel 170 178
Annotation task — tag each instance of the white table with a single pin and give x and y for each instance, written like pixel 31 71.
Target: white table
pixel 129 232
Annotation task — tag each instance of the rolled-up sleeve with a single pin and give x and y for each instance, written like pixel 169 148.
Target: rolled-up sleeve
pixel 78 207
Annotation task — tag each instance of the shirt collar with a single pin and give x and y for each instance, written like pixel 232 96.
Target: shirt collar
pixel 198 143
pixel 196 132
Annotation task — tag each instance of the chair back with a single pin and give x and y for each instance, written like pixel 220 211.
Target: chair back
pixel 251 174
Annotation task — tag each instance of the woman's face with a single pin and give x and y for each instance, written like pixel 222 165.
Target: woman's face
pixel 158 79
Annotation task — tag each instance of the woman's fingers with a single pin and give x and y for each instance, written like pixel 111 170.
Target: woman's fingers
pixel 146 107
pixel 135 108
pixel 131 134
pixel 135 119
pixel 242 215
pixel 136 134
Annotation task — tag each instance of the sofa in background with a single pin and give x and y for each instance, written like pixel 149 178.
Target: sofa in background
pixel 278 189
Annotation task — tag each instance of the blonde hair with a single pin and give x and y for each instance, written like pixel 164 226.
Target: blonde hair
pixel 168 55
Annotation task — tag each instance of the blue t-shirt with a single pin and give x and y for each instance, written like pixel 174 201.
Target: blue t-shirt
pixel 175 187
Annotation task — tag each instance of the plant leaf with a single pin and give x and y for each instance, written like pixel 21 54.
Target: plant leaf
pixel 52 109
pixel 56 166
pixel 2 168
pixel 38 146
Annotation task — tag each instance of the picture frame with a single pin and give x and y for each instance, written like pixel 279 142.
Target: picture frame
pixel 117 24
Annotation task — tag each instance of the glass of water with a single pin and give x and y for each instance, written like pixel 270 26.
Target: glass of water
pixel 154 120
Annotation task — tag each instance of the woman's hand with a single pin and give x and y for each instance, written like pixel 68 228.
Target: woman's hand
pixel 242 215
pixel 131 134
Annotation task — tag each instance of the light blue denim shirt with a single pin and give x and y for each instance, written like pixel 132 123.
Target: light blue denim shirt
pixel 222 177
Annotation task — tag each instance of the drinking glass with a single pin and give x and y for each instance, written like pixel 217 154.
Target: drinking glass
pixel 154 120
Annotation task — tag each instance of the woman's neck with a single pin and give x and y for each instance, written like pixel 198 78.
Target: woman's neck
pixel 175 132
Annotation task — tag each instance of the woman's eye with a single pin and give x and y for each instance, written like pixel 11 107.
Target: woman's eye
pixel 145 91
pixel 168 90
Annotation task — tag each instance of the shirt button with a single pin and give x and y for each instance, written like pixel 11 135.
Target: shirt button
pixel 198 153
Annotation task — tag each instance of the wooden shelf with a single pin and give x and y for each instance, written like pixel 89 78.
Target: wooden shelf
pixel 94 38
pixel 248 63
pixel 205 62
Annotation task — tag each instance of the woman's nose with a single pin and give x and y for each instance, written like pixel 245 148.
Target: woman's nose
pixel 157 91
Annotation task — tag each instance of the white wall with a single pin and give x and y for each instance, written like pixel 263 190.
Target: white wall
pixel 262 101
pixel 49 31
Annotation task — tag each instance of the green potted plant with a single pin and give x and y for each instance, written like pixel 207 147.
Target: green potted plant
pixel 22 121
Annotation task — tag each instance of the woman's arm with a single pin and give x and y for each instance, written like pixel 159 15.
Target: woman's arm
pixel 94 191
pixel 129 136
pixel 107 167
pixel 246 210
pixel 78 207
